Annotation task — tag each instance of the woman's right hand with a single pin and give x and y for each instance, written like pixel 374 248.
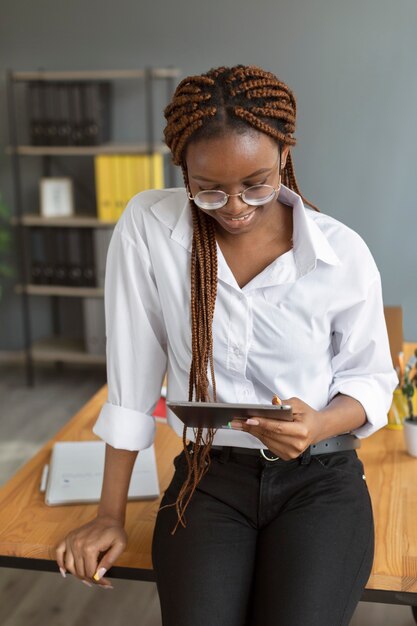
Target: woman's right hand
pixel 92 548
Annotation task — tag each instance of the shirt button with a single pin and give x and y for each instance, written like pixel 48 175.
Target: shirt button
pixel 236 351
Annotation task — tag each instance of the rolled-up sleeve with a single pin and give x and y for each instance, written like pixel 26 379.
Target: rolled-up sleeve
pixel 362 364
pixel 136 345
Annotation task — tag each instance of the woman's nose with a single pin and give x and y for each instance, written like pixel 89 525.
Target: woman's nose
pixel 235 204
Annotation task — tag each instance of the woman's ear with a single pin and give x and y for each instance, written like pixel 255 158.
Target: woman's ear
pixel 284 156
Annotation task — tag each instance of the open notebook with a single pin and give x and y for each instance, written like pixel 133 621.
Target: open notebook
pixel 76 473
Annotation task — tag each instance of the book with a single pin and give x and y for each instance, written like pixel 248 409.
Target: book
pixel 76 474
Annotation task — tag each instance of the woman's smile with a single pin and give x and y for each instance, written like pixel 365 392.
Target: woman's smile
pixel 240 221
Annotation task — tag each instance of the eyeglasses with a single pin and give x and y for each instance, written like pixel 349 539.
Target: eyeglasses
pixel 213 199
pixel 216 199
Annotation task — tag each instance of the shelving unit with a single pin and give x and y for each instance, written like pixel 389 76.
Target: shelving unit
pixel 59 349
pixel 107 148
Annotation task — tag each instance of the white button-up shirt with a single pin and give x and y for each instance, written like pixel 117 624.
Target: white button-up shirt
pixel 310 325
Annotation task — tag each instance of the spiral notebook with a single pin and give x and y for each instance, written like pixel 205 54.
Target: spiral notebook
pixel 75 474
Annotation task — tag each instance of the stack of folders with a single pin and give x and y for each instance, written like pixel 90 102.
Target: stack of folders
pixel 62 256
pixel 69 114
pixel 119 177
pixel 75 474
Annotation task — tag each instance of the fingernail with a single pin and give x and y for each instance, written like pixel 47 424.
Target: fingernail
pixel 87 583
pixel 100 573
pixel 252 422
pixel 106 587
pixel 235 425
pixel 63 573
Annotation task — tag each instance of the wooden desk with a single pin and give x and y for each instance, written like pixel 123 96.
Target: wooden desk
pixel 29 529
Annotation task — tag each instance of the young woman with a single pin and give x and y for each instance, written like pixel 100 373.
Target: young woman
pixel 240 291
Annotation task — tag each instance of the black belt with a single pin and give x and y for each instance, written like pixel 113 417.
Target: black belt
pixel 334 444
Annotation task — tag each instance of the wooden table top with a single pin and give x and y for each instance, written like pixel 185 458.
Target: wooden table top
pixel 29 529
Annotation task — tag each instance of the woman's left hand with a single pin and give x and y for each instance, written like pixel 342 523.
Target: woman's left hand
pixel 286 439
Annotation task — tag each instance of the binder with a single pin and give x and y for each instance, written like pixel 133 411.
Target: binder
pixel 104 181
pixel 101 239
pixel 94 325
pixel 48 274
pixel 37 256
pixel 126 179
pixel 63 115
pixel 138 174
pixel 118 164
pixel 75 274
pixel 87 259
pixel 156 180
pixel 76 115
pixel 76 471
pixel 61 258
pixel 35 113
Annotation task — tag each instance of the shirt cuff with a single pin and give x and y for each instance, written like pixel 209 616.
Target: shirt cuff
pixel 125 428
pixel 370 397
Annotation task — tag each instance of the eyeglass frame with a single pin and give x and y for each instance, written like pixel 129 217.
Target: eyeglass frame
pixel 234 195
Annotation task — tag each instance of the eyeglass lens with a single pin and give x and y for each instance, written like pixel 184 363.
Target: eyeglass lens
pixel 255 195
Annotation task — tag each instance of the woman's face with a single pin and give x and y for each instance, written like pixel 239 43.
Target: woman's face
pixel 233 163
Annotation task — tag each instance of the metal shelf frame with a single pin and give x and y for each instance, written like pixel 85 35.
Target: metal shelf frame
pixel 22 221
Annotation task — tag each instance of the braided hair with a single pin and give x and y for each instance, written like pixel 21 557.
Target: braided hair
pixel 225 99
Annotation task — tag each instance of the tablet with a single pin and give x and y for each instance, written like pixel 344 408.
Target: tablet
pixel 218 414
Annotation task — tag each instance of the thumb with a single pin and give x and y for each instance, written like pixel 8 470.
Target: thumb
pixel 108 559
pixel 276 400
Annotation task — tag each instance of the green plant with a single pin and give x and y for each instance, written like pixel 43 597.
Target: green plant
pixel 409 384
pixel 5 243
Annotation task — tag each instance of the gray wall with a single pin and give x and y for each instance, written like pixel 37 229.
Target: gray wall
pixel 351 65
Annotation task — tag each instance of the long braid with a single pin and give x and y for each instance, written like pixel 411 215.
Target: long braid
pixel 205 106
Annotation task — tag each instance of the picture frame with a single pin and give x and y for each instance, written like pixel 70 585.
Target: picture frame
pixel 56 197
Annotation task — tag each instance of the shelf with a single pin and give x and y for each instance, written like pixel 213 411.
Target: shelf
pixel 64 349
pixel 146 140
pixel 107 148
pixel 60 290
pixel 74 221
pixel 161 72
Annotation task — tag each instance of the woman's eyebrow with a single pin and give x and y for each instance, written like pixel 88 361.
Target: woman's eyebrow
pixel 209 180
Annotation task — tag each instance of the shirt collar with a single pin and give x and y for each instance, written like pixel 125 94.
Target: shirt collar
pixel 309 242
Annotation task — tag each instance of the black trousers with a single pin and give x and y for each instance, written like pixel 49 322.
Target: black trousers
pixel 266 544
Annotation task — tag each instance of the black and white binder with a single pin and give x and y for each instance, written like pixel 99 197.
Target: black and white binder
pixel 76 468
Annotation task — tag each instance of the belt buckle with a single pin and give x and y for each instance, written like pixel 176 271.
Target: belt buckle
pixel 268 458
